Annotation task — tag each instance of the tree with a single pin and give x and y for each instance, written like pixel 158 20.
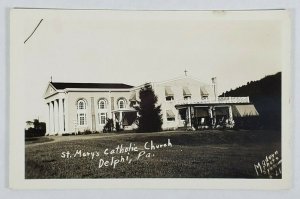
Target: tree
pixel 38 129
pixel 149 114
pixel 265 94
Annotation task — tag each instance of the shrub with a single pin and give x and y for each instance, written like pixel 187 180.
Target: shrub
pixel 87 132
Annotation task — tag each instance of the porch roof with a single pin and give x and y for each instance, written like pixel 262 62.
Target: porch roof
pixel 124 110
pixel 244 110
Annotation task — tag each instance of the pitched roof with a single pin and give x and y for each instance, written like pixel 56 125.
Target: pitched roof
pixel 63 85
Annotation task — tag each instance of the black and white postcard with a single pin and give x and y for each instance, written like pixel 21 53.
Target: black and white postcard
pixel 150 99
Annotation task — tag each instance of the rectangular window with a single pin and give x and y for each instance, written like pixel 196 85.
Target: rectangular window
pixel 187 97
pixel 171 119
pixel 82 120
pixel 170 115
pixel 169 98
pixel 169 93
pixel 102 118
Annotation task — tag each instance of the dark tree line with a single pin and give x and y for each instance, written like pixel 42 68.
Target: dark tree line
pixel 265 94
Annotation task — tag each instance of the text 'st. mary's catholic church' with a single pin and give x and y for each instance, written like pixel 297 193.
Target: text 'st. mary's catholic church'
pixel 185 102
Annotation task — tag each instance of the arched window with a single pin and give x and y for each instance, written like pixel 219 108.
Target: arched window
pixel 81 104
pixel 102 111
pixel 102 104
pixel 122 103
pixel 81 113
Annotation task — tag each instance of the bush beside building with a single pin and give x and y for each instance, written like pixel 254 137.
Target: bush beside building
pixel 35 128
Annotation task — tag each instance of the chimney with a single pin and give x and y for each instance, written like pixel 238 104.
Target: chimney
pixel 214 83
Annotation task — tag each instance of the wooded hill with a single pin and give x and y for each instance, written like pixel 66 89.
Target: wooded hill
pixel 265 94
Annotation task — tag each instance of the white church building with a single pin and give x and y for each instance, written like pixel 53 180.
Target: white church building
pixel 185 102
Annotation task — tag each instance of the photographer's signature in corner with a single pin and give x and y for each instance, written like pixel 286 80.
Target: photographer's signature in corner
pixel 270 166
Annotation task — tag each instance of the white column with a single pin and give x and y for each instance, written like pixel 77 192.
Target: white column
pixel 60 116
pixel 93 115
pixel 230 114
pixel 66 115
pixel 121 119
pixel 189 124
pixel 210 114
pixel 114 120
pixel 56 119
pixel 51 119
pixel 48 121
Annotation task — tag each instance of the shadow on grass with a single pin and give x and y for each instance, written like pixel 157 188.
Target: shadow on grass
pixel 211 137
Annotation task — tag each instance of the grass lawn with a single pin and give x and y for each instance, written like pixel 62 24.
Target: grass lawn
pixel 34 140
pixel 204 154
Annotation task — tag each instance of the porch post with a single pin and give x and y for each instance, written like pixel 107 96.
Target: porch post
pixel 189 117
pixel 230 113
pixel 114 119
pixel 192 116
pixel 210 114
pixel 121 119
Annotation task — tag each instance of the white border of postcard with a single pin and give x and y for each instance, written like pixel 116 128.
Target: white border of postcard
pixel 16 148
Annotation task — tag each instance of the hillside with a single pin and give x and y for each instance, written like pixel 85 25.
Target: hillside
pixel 265 94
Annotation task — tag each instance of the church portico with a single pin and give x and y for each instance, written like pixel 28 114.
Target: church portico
pixel 56 118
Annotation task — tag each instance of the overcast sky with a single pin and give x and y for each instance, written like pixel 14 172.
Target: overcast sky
pixel 137 47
